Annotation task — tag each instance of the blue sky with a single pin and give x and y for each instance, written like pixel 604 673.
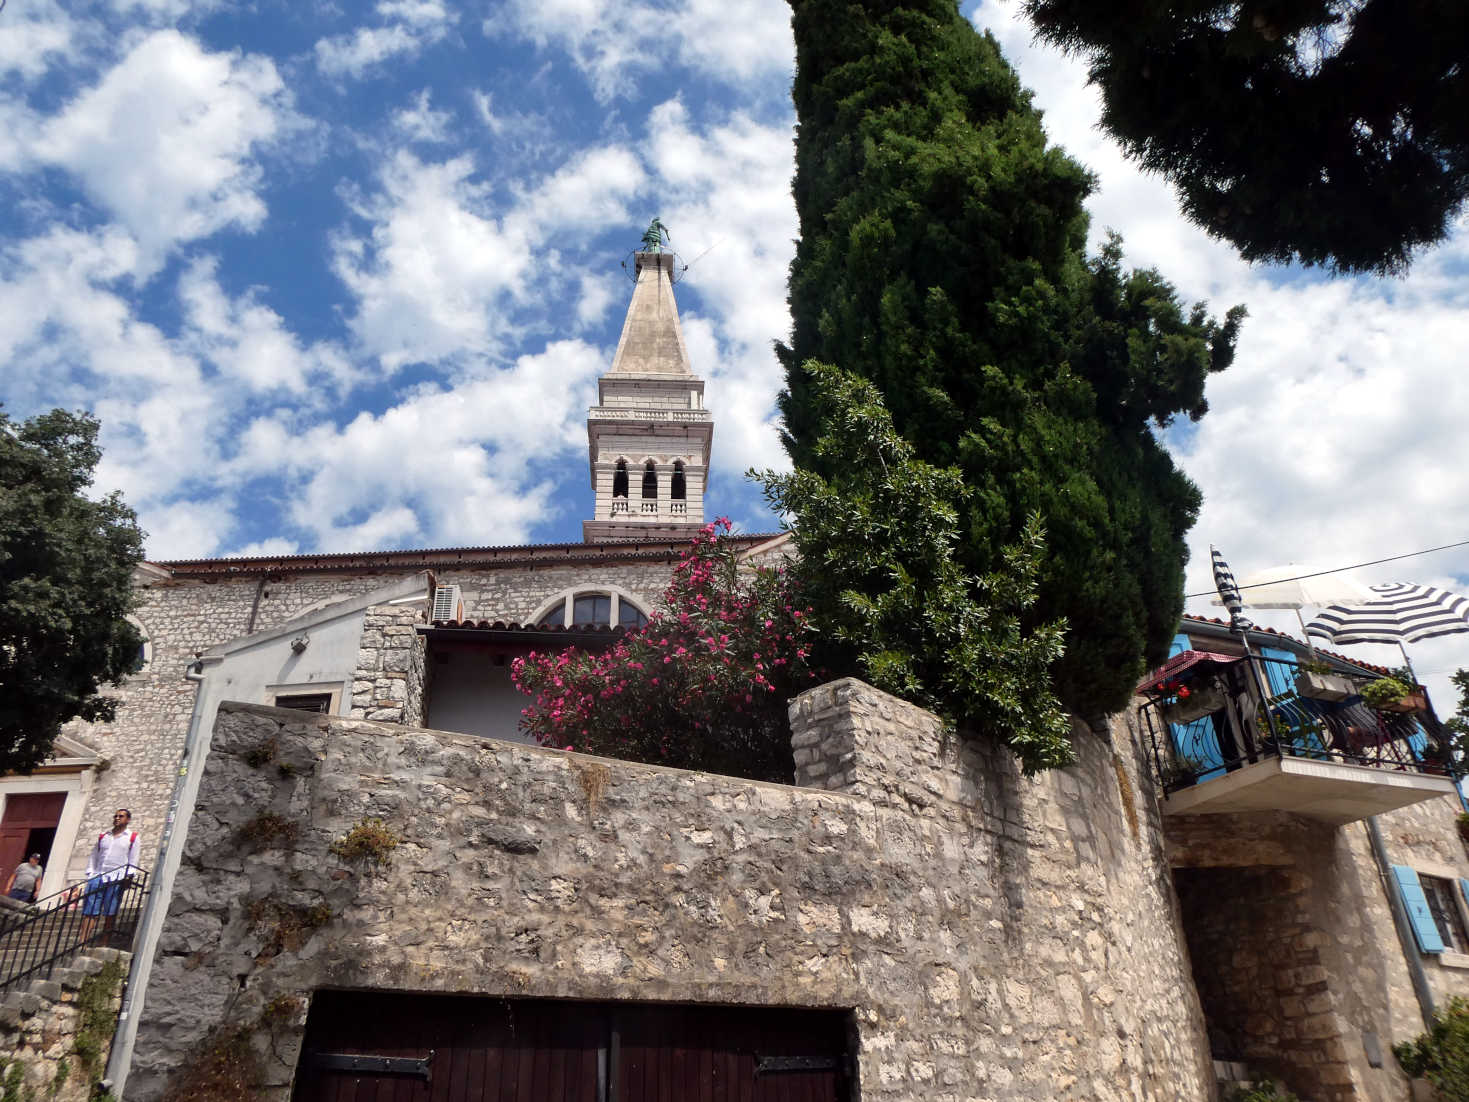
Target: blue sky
pixel 341 277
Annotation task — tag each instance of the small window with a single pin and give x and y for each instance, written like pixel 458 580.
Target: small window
pixel 619 479
pixel 554 617
pixel 650 480
pixel 1445 910
pixel 629 616
pixel 306 702
pixel 677 491
pixel 591 610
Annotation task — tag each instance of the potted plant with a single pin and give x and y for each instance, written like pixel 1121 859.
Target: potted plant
pixel 1319 681
pixel 1388 694
pixel 1190 702
pixel 1179 771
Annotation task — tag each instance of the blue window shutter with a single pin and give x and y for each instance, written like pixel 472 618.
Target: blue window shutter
pixel 1464 889
pixel 1416 904
pixel 1281 679
pixel 1195 741
pixel 1180 644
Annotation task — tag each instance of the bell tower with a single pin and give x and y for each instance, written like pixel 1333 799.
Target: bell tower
pixel 649 435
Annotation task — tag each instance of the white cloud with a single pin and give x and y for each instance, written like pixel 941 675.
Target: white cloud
pixel 165 142
pixel 409 26
pixel 617 44
pixel 35 35
pixel 478 463
pixel 419 122
pixel 444 266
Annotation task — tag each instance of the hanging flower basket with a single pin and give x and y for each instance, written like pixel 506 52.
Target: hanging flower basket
pixel 1195 705
pixel 1324 686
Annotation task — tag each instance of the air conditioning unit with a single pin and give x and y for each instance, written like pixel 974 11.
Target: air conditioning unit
pixel 448 604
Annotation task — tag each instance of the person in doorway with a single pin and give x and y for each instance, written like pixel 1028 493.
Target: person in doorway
pixel 114 860
pixel 25 881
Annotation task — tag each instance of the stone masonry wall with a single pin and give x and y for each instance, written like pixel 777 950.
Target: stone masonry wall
pixel 1337 910
pixel 39 1026
pixel 389 682
pixel 996 936
pixel 182 619
pixel 1256 954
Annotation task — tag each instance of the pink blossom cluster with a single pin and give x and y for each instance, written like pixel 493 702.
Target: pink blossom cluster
pixel 704 684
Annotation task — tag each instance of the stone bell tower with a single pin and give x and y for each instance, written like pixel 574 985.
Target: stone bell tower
pixel 649 435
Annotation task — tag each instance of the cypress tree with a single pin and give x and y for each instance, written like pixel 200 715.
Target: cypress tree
pixel 942 256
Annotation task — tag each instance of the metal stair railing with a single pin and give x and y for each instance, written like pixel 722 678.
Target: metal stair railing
pixel 38 935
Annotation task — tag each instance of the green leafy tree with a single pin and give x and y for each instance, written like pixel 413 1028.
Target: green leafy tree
pixel 1333 132
pixel 942 256
pixel 889 598
pixel 1441 1055
pixel 66 564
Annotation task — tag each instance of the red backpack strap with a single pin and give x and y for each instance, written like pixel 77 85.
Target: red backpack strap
pixel 134 839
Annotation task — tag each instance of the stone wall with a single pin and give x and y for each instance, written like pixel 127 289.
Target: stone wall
pixel 40 1023
pixel 389 682
pixel 996 936
pixel 1348 984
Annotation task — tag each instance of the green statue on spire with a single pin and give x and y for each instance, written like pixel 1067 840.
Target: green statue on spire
pixel 656 234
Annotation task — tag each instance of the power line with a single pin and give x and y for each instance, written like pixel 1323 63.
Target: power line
pixel 1335 569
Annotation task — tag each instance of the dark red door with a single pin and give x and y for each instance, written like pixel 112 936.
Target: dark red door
pixel 28 826
pixel 378 1047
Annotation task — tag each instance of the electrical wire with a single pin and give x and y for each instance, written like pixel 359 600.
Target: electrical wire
pixel 1335 569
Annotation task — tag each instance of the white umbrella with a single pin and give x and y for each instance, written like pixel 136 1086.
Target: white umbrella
pixel 1298 585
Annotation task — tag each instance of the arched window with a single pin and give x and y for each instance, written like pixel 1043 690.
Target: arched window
pixel 650 480
pixel 677 492
pixel 619 479
pixel 592 608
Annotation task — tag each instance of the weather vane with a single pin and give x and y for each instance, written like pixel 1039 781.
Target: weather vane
pixel 655 235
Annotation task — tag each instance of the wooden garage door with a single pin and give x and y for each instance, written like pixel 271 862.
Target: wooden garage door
pixel 373 1047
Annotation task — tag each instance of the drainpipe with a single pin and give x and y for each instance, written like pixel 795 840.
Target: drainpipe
pixel 1400 919
pixel 161 883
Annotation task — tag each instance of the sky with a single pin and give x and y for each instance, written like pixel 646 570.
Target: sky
pixel 341 277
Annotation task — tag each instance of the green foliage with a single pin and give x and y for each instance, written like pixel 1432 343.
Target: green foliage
pixel 63 1073
pixel 96 1016
pixel 65 585
pixel 1330 132
pixel 14 1089
pixel 1442 1054
pixel 889 598
pixel 942 257
pixel 1385 690
pixel 1266 1091
pixel 703 685
pixel 370 840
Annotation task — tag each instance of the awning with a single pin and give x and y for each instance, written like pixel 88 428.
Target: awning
pixel 1188 660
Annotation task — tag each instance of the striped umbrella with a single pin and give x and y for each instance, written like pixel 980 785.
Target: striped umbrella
pixel 1398 612
pixel 1229 593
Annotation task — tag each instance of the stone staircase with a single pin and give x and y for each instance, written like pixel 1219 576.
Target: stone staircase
pixel 39 1022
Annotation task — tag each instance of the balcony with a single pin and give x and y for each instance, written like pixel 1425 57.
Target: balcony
pixel 1234 733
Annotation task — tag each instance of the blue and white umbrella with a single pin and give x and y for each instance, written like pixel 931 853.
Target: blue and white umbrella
pixel 1397 612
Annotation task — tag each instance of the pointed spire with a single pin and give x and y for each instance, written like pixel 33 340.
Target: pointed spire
pixel 652 339
pixel 649 435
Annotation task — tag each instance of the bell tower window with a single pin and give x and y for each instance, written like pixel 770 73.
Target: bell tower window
pixel 677 491
pixel 650 480
pixel 619 479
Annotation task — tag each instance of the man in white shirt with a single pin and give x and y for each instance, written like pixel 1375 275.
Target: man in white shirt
pixel 113 861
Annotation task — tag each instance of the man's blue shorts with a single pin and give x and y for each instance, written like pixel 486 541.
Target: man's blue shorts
pixel 103 897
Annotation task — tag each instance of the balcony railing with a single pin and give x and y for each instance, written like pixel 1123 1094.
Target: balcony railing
pixel 1217 720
